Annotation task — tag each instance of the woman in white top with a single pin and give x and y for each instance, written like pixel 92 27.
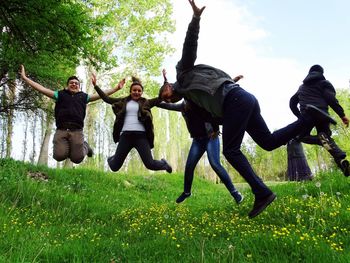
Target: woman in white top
pixel 133 126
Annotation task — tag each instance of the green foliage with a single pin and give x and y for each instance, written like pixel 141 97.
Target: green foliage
pixel 51 38
pixel 82 215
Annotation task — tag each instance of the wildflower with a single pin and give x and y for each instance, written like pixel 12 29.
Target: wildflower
pixel 318 184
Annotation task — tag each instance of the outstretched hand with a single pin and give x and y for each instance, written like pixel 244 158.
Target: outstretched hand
pixel 197 12
pixel 120 84
pixel 93 79
pixel 164 75
pixel 23 72
pixel 346 121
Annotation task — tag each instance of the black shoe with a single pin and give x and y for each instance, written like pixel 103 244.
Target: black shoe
pixel 90 152
pixel 167 166
pixel 237 196
pixel 261 204
pixel 345 167
pixel 182 197
pixel 319 114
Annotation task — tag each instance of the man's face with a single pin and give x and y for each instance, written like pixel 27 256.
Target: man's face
pixel 74 86
pixel 167 94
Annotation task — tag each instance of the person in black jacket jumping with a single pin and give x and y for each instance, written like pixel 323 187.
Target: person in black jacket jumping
pixel 216 92
pixel 318 92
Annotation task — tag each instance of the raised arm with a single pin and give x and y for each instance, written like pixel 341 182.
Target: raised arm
pixel 47 92
pixel 104 94
pixel 189 50
pixel 329 95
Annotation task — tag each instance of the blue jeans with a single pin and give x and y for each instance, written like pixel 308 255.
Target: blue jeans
pixel 241 113
pixel 198 148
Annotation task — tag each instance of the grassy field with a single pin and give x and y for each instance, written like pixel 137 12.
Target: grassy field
pixel 80 215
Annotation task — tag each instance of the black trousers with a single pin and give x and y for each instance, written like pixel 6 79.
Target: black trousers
pixel 241 113
pixel 137 140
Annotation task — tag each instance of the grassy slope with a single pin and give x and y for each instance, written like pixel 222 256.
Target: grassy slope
pixel 84 215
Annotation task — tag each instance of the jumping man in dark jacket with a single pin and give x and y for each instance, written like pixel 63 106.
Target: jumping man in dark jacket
pixel 319 92
pixel 216 92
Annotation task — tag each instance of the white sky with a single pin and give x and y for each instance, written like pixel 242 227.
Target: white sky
pixel 272 43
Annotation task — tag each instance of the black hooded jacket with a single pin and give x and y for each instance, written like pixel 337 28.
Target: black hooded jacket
pixel 317 91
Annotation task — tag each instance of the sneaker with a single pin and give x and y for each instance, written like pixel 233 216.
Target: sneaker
pixel 319 114
pixel 237 196
pixel 182 197
pixel 261 204
pixel 345 167
pixel 167 166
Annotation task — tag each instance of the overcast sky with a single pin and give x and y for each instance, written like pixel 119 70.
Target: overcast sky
pixel 272 43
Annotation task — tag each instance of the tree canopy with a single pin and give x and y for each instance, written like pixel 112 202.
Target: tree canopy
pixel 51 38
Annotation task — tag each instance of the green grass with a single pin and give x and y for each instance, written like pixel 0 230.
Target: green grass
pixel 82 215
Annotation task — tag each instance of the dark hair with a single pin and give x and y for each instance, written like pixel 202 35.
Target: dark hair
pixel 136 81
pixel 72 77
pixel 162 89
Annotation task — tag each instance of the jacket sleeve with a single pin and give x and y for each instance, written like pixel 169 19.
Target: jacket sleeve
pixel 329 95
pixel 189 50
pixel 154 102
pixel 293 105
pixel 172 106
pixel 104 97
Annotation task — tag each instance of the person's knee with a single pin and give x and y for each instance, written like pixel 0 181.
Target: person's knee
pixel 77 160
pixel 59 157
pixel 112 165
pixel 229 153
pixel 215 165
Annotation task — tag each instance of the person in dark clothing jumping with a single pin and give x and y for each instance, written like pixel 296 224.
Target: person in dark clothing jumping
pixel 216 92
pixel 133 126
pixel 318 92
pixel 205 138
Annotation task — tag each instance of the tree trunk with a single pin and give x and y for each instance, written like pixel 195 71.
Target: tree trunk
pixel 34 125
pixel 25 139
pixel 44 149
pixel 3 137
pixel 10 117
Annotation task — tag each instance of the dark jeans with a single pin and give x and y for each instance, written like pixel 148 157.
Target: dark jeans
pixel 198 148
pixel 241 113
pixel 137 140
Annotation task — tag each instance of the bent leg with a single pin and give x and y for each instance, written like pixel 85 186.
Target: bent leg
pixel 238 108
pixel 260 133
pixel 213 153
pixel 125 144
pixel 78 149
pixel 196 151
pixel 60 145
pixel 143 148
